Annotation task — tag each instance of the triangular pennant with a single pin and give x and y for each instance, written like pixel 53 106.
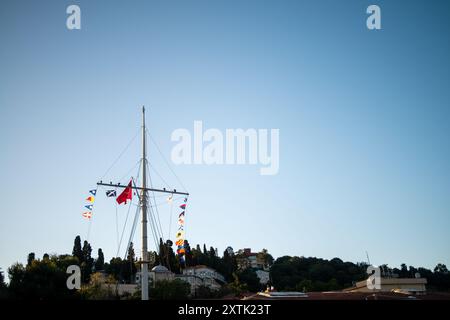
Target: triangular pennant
pixel 181 215
pixel 89 207
pixel 183 206
pixel 87 215
pixel 93 192
pixel 185 199
pixel 91 199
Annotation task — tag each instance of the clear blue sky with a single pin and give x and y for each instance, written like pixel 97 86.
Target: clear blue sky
pixel 363 117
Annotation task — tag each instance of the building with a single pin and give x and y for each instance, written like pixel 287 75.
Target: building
pixel 196 276
pixel 410 285
pixel 248 259
pixel 202 275
pixel 263 276
pixel 157 273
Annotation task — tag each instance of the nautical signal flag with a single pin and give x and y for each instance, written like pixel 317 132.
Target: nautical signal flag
pixel 181 215
pixel 90 200
pixel 126 194
pixel 183 206
pixel 180 234
pixel 111 193
pixel 87 214
pixel 179 242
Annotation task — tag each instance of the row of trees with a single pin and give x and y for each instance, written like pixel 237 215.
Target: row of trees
pixel 45 278
pixel 313 274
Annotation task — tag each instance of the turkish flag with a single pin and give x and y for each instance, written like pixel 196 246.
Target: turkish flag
pixel 127 194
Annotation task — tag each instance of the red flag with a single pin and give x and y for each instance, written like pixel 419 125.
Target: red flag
pixel 127 194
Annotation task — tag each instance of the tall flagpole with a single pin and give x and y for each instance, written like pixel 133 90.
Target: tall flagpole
pixel 144 265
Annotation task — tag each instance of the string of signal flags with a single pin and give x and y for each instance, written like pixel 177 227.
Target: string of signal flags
pixel 127 194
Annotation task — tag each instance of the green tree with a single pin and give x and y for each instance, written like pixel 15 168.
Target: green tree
pixel 228 264
pixel 115 267
pixel 266 257
pixel 305 285
pixel 129 267
pixel 30 259
pixel 249 277
pixel 170 290
pixel 403 271
pixel 236 287
pixel 3 287
pixel 293 273
pixel 42 280
pixel 188 254
pixel 87 262
pixel 77 251
pixel 100 288
pixel 441 268
pixel 100 262
pixel 2 279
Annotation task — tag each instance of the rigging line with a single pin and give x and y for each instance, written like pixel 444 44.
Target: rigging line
pixel 165 202
pixel 156 207
pixel 133 229
pixel 151 205
pixel 136 181
pixel 89 230
pixel 153 221
pixel 117 227
pixel 170 215
pixel 123 230
pixel 165 160
pixel 164 181
pixel 129 171
pixel 157 211
pixel 136 216
pixel 120 155
pixel 155 238
pixel 185 209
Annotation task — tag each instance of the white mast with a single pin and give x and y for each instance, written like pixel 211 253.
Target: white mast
pixel 144 265
pixel 144 207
